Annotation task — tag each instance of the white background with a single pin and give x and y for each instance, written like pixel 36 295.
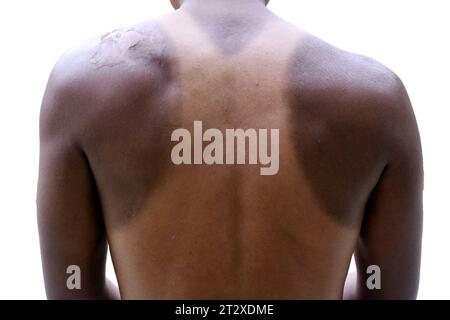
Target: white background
pixel 410 37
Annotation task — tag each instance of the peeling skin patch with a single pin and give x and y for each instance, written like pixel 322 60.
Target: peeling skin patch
pixel 135 46
pixel 113 34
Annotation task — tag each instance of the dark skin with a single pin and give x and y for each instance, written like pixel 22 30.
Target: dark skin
pixel 350 177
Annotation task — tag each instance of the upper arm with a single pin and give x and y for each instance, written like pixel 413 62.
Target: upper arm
pixel 391 233
pixel 69 214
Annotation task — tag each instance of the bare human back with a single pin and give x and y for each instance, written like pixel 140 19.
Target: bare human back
pixel 155 140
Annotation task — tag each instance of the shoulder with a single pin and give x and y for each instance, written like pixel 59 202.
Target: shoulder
pixel 106 71
pixel 111 56
pixel 318 66
pixel 68 92
pixel 354 93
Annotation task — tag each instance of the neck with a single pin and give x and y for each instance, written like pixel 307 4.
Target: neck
pixel 224 4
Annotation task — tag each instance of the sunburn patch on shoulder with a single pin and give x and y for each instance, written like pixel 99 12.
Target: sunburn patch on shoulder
pixel 221 147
